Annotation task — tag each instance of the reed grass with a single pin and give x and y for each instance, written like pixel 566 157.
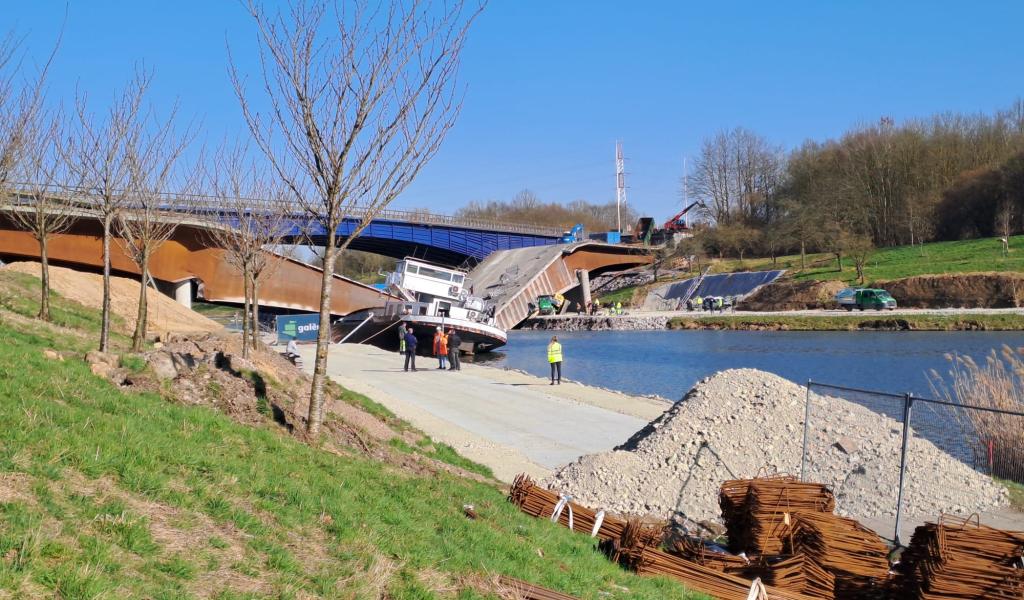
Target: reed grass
pixel 995 438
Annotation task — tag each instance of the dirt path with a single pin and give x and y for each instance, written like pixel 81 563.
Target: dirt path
pixel 165 315
pixel 509 421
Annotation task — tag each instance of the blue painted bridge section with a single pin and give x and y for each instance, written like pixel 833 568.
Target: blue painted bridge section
pixel 438 238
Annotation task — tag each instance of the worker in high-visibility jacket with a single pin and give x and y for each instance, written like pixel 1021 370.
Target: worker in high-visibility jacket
pixel 555 359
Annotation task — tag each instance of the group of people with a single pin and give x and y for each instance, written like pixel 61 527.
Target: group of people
pixel 594 308
pixel 709 303
pixel 445 348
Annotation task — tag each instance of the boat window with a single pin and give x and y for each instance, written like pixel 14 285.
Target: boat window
pixel 412 269
pixel 435 274
pixel 458 278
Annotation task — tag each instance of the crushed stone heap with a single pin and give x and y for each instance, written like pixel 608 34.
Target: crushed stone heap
pixel 753 422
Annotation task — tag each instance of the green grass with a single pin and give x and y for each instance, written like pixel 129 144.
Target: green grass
pixel 208 309
pixel 623 295
pixel 1016 493
pixel 885 264
pixel 133 362
pixel 112 494
pixel 867 320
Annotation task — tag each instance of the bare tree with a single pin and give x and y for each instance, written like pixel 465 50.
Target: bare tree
pixel 251 219
pixel 270 227
pixel 99 155
pixel 20 104
pixel 859 248
pixel 41 206
pixel 360 100
pixel 736 175
pixel 1004 224
pixel 152 211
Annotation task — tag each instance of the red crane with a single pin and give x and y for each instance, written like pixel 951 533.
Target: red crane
pixel 676 223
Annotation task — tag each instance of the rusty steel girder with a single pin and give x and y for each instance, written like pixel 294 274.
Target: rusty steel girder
pixel 192 254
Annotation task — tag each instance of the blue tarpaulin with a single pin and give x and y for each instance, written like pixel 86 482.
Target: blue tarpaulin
pixel 725 284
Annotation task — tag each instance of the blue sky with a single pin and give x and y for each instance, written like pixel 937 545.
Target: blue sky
pixel 552 85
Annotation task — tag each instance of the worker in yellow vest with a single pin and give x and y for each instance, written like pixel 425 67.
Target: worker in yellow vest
pixel 555 359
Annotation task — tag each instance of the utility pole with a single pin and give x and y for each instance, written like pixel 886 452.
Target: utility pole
pixel 620 184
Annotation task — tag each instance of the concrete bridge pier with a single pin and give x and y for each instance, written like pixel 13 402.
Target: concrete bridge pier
pixel 584 276
pixel 183 293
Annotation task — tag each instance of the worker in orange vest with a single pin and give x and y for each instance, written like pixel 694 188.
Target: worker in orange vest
pixel 441 348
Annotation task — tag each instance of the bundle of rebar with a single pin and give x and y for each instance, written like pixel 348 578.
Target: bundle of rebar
pixel 853 553
pixel 521 590
pixel 799 574
pixel 960 558
pixel 540 502
pixel 758 512
pixel 653 562
pixel 698 551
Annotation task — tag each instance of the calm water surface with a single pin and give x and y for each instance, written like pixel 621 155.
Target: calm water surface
pixel 668 363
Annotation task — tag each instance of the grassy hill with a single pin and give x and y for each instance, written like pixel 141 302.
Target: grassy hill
pixel 110 493
pixel 968 256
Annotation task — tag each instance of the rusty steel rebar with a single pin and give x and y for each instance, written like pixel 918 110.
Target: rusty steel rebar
pixel 856 556
pixel 758 512
pixel 961 558
pixel 540 502
pixel 522 590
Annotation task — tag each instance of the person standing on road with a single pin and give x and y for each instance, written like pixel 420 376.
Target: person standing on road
pixel 555 359
pixel 441 348
pixel 454 341
pixel 410 349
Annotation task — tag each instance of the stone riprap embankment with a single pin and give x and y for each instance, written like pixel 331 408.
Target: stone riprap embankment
pixel 597 323
pixel 606 284
pixel 743 422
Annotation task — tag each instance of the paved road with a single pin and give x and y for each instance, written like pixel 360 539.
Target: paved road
pixel 510 421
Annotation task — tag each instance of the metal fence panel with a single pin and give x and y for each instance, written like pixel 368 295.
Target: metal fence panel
pixel 909 459
pixel 852 445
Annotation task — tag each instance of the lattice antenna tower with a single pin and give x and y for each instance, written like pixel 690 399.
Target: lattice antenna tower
pixel 620 185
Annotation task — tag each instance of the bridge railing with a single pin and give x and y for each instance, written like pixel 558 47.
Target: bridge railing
pixel 209 205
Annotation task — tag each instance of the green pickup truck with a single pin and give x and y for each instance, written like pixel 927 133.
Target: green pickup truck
pixel 863 298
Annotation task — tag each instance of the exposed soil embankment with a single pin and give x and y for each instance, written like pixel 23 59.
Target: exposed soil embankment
pixel 164 313
pixel 793 295
pixel 971 290
pixel 963 290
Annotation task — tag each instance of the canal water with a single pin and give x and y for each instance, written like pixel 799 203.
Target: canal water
pixel 668 363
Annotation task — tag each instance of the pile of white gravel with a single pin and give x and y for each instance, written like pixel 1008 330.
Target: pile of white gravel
pixel 752 423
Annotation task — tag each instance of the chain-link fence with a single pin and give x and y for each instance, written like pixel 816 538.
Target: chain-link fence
pixel 894 460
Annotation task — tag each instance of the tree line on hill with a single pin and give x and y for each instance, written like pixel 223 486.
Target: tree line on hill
pixel 527 208
pixel 947 177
